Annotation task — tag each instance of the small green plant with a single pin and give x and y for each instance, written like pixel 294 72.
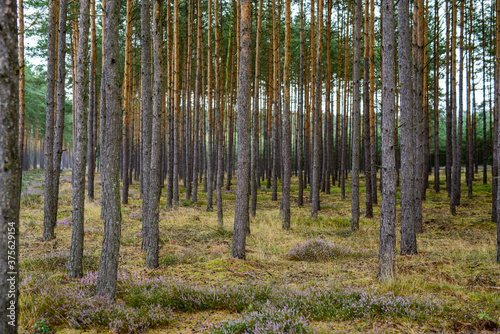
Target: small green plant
pixel 484 316
pixel 41 327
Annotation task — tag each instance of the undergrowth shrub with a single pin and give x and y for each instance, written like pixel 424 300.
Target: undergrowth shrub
pixel 316 250
pixel 58 260
pixel 148 302
pixel 269 320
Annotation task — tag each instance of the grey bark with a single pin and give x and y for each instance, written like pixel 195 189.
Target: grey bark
pixel 75 262
pixel 317 120
pixel 387 270
pixel 358 7
pixel 241 217
pixel 147 117
pixel 49 207
pixel 408 215
pixel 108 267
pixel 154 191
pixel 10 168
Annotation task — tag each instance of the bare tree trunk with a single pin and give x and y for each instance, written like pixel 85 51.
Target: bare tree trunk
pixel 315 184
pixel 92 103
pixel 497 106
pixel 366 113
pixel 127 105
pixel 219 113
pixel 300 152
pixel 387 270
pixel 197 105
pixel 408 216
pixel 255 115
pixel 436 96
pixel 356 77
pixel 449 110
pixel 50 208
pixel 210 172
pixel 10 167
pixel 156 140
pixel 275 132
pixel 286 132
pixel 418 108
pixel 108 266
pixel 75 261
pixel 147 117
pixel 455 183
pixel 177 96
pixel 241 217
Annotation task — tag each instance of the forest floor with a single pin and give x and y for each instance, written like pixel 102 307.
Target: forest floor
pixel 452 285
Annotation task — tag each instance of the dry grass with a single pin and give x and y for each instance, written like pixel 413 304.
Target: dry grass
pixel 456 260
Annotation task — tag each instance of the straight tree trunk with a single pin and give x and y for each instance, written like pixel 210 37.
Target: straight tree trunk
pixel 197 105
pixel 127 105
pixel 156 140
pixel 455 183
pixel 436 96
pixel 316 112
pixel 449 110
pixel 10 167
pixel 408 215
pixel 177 87
pixel 75 261
pixel 418 108
pixel 255 116
pixel 356 77
pixel 108 265
pixel 485 146
pixel 22 92
pixel 241 217
pixel 373 137
pixel 286 132
pixel 219 113
pixel 210 171
pixel 366 113
pixel 147 117
pixel 92 103
pixel 61 98
pixel 301 109
pixel 387 270
pixel 275 132
pixel 49 207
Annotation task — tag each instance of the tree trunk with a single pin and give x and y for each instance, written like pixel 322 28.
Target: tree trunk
pixel 315 184
pixel 92 104
pixel 455 182
pixel 50 208
pixel 387 271
pixel 10 168
pixel 108 266
pixel 156 140
pixel 241 218
pixel 75 261
pixel 366 113
pixel 408 215
pixel 436 96
pixel 255 116
pixel 197 105
pixel 356 77
pixel 286 132
pixel 301 109
pixel 210 171
pixel 147 117
pixel 418 109
pixel 127 105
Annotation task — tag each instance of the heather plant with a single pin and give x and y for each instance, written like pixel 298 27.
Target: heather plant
pixel 75 305
pixel 57 261
pixel 316 250
pixel 269 320
pixel 31 197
